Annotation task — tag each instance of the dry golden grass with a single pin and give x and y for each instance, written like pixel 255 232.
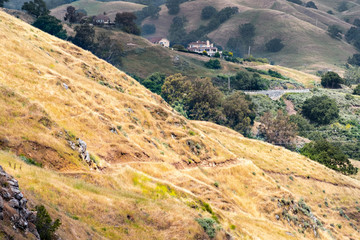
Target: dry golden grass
pixel 160 170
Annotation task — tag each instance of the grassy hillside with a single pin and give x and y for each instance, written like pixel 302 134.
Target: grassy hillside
pixel 155 174
pixel 94 7
pixel 292 23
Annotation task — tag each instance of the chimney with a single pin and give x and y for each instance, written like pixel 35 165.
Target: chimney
pixel 207 43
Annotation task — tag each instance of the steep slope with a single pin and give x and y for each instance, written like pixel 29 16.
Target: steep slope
pixel 290 22
pixel 153 173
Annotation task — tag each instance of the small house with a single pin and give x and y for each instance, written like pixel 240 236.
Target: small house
pixel 160 41
pixel 101 20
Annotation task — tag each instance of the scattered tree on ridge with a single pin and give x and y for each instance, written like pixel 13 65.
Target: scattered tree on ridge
pixel 335 32
pixel 311 4
pixel 208 12
pixel 126 21
pixel 173 6
pixel 274 45
pixel 72 15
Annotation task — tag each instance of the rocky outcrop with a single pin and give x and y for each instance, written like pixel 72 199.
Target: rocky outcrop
pixel 13 208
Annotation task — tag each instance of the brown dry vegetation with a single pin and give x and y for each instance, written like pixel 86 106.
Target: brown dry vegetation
pixel 159 169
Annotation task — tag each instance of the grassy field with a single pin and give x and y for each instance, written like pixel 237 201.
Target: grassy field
pixel 157 171
pixel 94 7
pixel 274 19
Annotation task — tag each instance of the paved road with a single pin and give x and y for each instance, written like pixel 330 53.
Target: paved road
pixel 276 94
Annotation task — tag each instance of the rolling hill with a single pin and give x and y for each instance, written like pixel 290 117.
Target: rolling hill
pixel 290 22
pixel 152 173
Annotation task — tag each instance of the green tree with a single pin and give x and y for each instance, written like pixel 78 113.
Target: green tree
pixel 173 6
pixel 239 112
pixel 154 82
pixel 342 6
pixel 352 75
pixel 329 155
pixel 126 21
pixel 36 8
pixel 110 50
pixel 177 33
pixel 213 64
pixel 274 45
pixel 248 81
pixel 175 88
pixel 331 80
pixel 44 224
pixel 356 22
pixel 50 25
pixel 357 90
pixel 278 130
pixel 320 109
pixel 208 12
pixel 247 33
pixel 335 32
pixel 2 2
pixel 72 15
pixel 85 36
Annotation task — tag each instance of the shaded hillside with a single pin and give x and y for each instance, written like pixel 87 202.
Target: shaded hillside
pixel 290 22
pixel 152 173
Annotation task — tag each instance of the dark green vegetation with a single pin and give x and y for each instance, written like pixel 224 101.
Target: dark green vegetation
pixel 274 45
pixel 329 155
pixel 213 64
pixel 50 25
pixel 202 101
pixel 208 225
pixel 357 90
pixel 44 224
pixel 249 81
pixel 331 80
pixel 2 2
pixel 335 32
pixel 126 22
pixel 208 12
pixel 36 8
pixel 321 110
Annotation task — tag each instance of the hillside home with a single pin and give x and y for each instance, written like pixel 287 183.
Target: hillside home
pixel 101 20
pixel 160 41
pixel 200 47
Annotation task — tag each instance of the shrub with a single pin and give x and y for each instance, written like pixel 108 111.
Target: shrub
pixel 173 6
pixel 213 64
pixel 354 60
pixel 154 82
pixel 44 224
pixel 331 80
pixel 342 7
pixel 330 12
pixel 299 2
pixel 217 55
pixel 274 45
pixel 357 90
pixel 50 25
pixel 208 12
pixel 329 155
pixel 208 225
pixel 249 81
pixel 36 8
pixel 320 109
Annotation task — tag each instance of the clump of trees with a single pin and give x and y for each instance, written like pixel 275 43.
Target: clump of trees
pixel 154 82
pixel 213 64
pixel 151 11
pixel 249 81
pixel 335 32
pixel 148 29
pixel 173 6
pixel 36 8
pixel 278 130
pixel 331 80
pixel 354 60
pixel 208 12
pixel 311 4
pixel 51 25
pixel 329 155
pixel 343 6
pixel 274 45
pixel 201 100
pixel 353 36
pixel 72 15
pixel 126 21
pixel 320 109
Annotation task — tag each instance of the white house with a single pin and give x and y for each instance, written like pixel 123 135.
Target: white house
pixel 160 41
pixel 200 47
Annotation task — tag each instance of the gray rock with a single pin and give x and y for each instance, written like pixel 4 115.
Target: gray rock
pixel 1 204
pixel 13 183
pixel 65 86
pixel 5 194
pixel 277 217
pixel 19 196
pixel 23 202
pixel 14 203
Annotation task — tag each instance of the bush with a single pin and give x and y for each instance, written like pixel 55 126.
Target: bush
pixel 357 90
pixel 320 109
pixel 208 12
pixel 342 7
pixel 208 225
pixel 249 81
pixel 36 8
pixel 154 82
pixel 299 2
pixel 328 155
pixel 44 224
pixel 148 29
pixel 274 45
pixel 50 25
pixel 355 59
pixel 213 64
pixel 331 80
pixel 173 6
